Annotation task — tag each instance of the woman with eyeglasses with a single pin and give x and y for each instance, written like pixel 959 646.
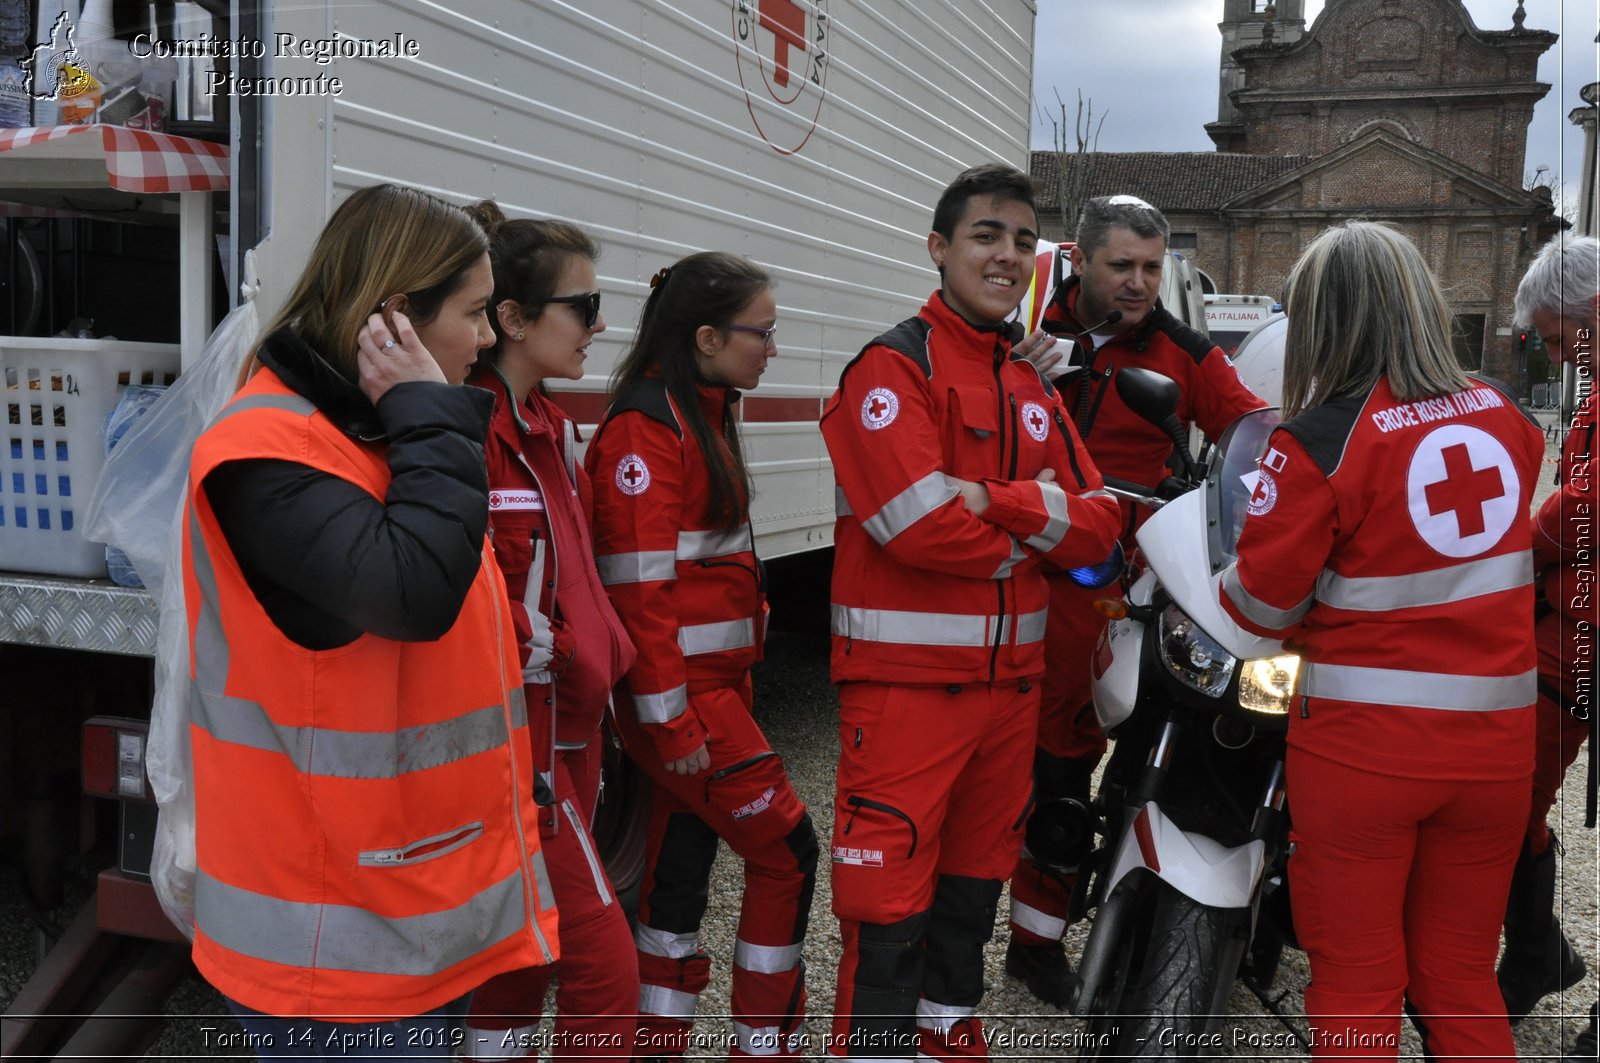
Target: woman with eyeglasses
pixel 545 312
pixel 672 529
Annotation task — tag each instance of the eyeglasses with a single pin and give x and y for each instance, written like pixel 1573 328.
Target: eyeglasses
pixel 587 304
pixel 766 334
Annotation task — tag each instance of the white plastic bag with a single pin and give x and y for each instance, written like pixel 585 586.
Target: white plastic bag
pixel 138 506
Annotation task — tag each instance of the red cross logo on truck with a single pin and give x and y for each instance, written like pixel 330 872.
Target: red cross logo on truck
pixel 782 48
pixel 1462 490
pixel 786 21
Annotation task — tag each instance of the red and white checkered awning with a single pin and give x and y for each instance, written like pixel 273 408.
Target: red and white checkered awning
pixel 136 161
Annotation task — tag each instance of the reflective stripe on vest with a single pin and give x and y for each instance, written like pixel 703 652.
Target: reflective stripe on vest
pixel 935 629
pixel 1419 690
pixel 356 754
pixel 344 938
pixel 295 404
pixel 1258 611
pixel 641 567
pixel 704 545
pixel 841 504
pixel 695 639
pixel 1443 586
pixel 663 707
pixel 909 506
pixel 1058 524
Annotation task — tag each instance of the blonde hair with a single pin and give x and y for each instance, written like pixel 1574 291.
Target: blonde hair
pixel 381 241
pixel 1363 304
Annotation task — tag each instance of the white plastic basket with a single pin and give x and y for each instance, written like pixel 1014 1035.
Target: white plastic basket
pixel 55 396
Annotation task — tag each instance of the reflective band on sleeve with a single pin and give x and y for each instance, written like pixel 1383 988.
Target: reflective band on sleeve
pixel 344 938
pixel 541 881
pixel 695 639
pixel 909 506
pixel 1056 527
pixel 1419 690
pixel 703 545
pixel 932 1015
pixel 765 959
pixel 663 707
pixel 934 629
pixel 640 567
pixel 1018 555
pixel 653 942
pixel 1444 586
pixel 758 1040
pixel 841 504
pixel 1034 921
pixel 354 754
pixel 666 1003
pixel 1258 611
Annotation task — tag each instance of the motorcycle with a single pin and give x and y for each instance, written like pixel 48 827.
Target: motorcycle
pixel 1187 886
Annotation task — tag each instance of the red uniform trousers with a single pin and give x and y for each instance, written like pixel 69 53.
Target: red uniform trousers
pixel 1070 745
pixel 1399 887
pixel 928 813
pixel 743 798
pixel 597 977
pixel 1559 733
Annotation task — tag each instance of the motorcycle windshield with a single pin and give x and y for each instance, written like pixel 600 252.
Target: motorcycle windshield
pixel 1236 479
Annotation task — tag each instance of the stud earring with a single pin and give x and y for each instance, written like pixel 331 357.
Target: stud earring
pixel 519 335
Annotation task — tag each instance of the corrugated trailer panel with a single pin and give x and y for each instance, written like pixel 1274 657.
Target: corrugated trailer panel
pixel 669 126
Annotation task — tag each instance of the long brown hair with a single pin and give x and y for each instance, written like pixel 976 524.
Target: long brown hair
pixel 381 241
pixel 708 288
pixel 1363 304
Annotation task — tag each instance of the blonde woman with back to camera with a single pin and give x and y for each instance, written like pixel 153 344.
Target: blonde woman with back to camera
pixel 366 836
pixel 1389 531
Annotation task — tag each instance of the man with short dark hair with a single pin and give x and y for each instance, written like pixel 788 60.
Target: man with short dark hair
pixel 959 482
pixel 1559 298
pixel 1110 306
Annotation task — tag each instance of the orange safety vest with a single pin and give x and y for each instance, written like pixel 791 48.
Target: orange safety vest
pixel 366 836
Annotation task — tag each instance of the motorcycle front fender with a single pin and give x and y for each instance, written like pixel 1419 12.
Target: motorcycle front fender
pixel 1202 868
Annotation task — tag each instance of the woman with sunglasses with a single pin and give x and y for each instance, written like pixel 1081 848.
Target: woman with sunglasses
pixel 672 529
pixel 545 312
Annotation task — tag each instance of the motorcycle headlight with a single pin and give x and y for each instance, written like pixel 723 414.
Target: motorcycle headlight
pixel 1191 655
pixel 1267 683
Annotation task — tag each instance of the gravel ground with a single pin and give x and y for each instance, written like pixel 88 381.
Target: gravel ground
pixel 798 708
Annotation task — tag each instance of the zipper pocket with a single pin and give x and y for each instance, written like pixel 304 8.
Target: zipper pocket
pixel 422 850
pixel 734 769
pixel 857 802
pixel 589 854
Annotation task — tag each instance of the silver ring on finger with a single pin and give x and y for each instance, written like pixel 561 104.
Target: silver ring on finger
pixel 387 344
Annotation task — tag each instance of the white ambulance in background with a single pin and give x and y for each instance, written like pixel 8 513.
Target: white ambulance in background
pixel 1230 318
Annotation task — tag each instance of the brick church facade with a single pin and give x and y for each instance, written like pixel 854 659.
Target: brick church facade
pixel 1400 111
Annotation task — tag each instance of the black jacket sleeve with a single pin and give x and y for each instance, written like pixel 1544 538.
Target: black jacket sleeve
pixel 329 562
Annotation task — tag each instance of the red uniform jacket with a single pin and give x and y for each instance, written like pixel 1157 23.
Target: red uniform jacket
pixel 1123 443
pixel 1387 542
pixel 1564 544
pixel 539 504
pixel 923 591
pixel 688 592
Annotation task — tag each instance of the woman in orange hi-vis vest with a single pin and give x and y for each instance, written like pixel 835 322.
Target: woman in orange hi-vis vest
pixel 366 835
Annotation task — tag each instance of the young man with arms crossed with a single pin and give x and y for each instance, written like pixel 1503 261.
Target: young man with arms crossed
pixel 960 481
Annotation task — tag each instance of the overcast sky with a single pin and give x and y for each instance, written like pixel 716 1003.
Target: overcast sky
pixel 1150 67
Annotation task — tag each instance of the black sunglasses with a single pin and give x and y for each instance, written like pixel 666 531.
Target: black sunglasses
pixel 587 304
